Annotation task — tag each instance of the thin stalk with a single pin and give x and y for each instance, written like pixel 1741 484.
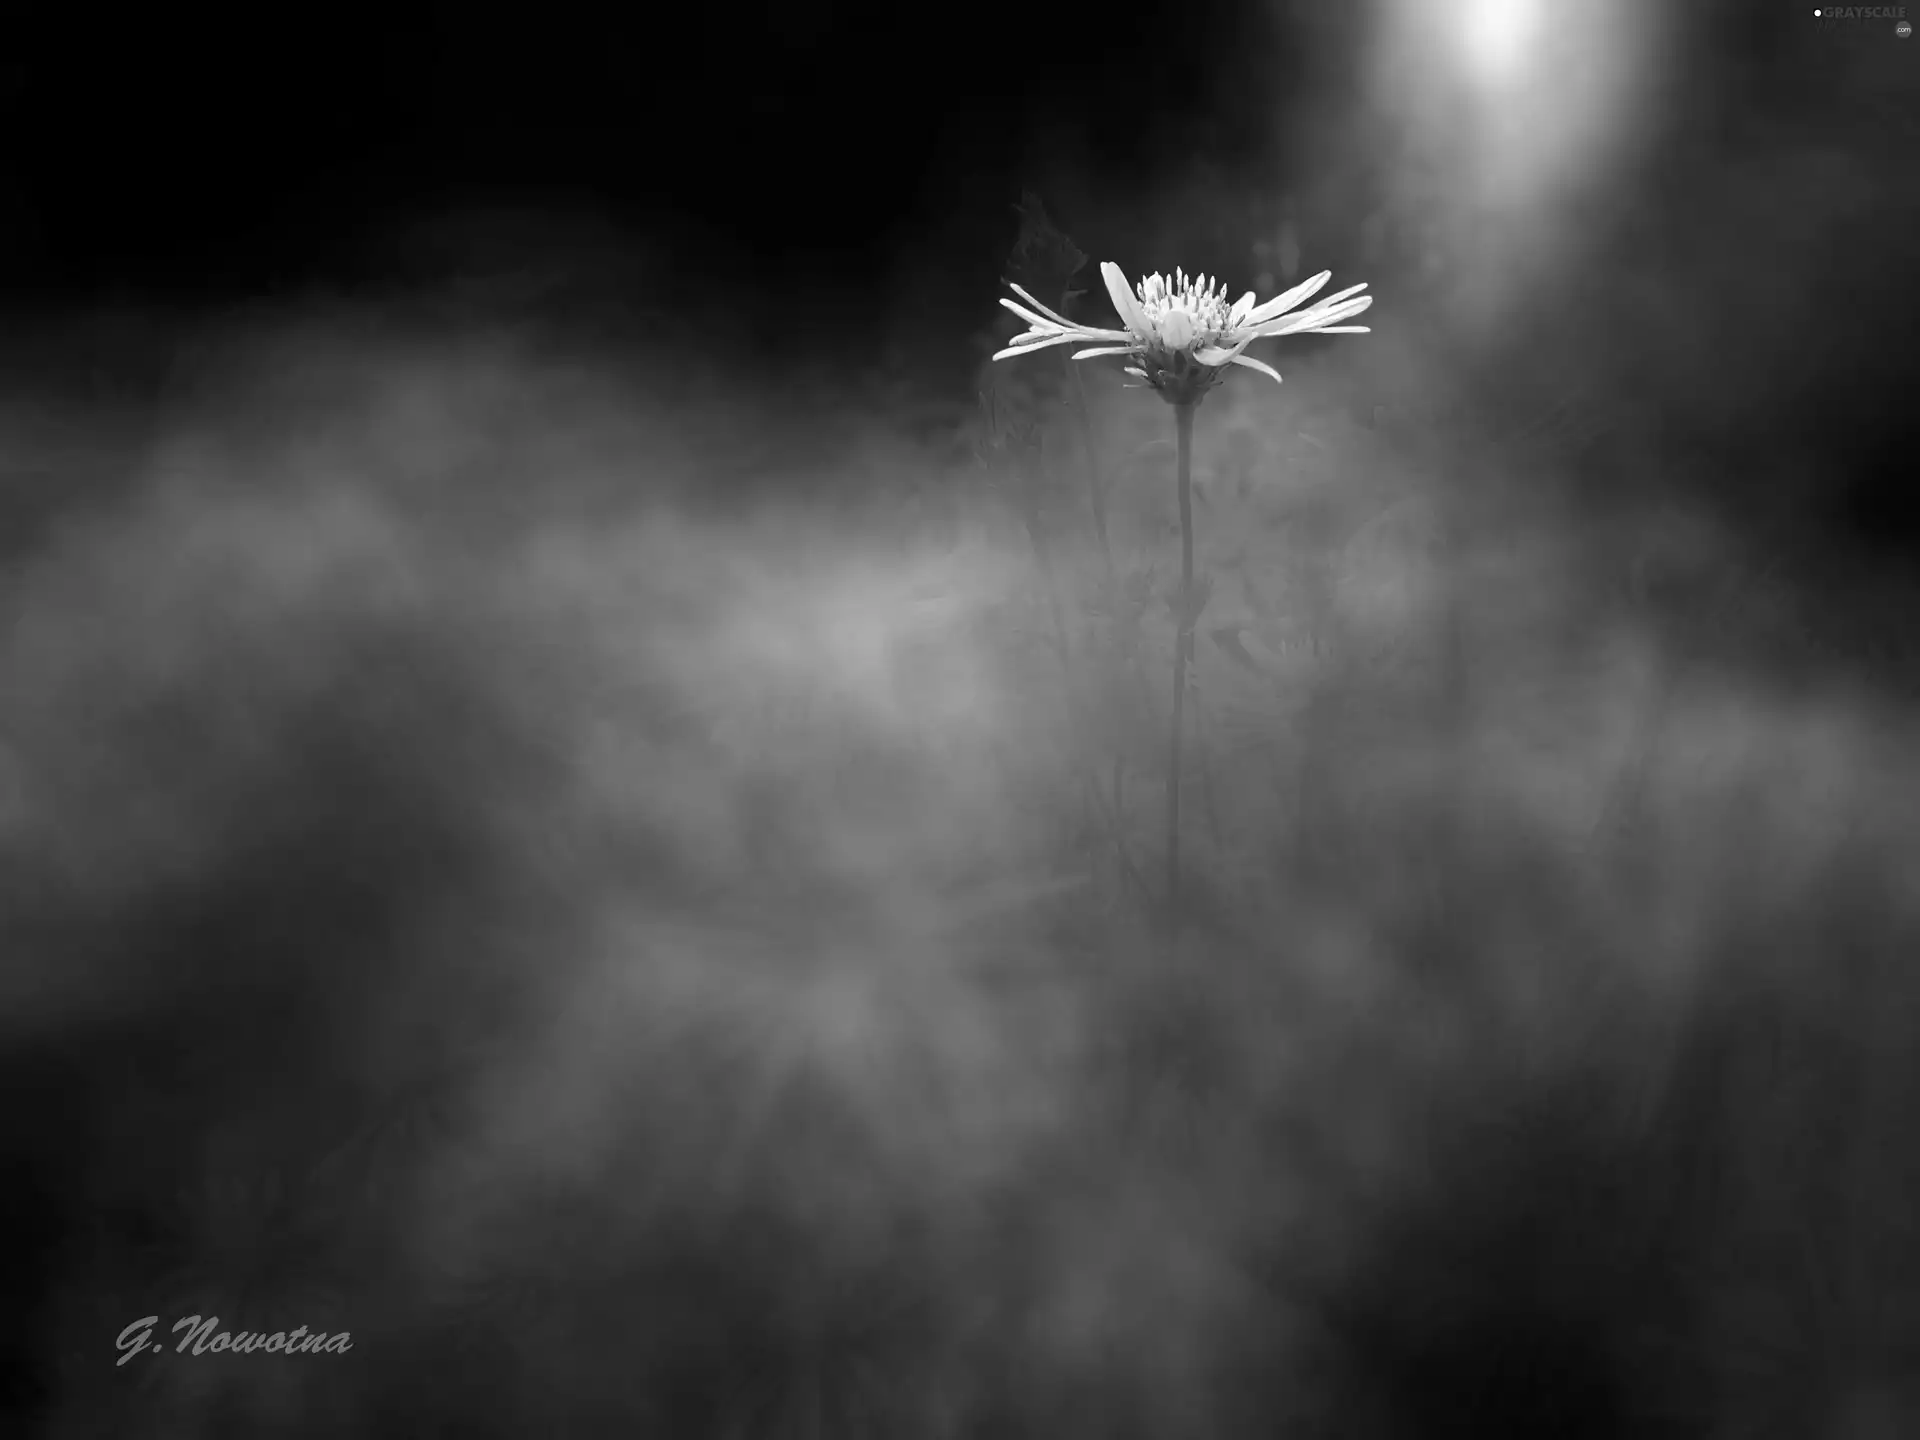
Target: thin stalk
pixel 1183 642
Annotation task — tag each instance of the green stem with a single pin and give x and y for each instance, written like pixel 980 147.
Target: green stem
pixel 1182 645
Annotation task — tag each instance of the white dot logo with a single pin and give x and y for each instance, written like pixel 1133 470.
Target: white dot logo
pixel 1903 30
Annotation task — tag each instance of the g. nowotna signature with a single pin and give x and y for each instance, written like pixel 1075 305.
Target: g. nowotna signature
pixel 206 1337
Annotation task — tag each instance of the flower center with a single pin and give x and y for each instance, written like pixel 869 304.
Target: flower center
pixel 1185 313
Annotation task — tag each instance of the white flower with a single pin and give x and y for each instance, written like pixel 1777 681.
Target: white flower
pixel 1182 334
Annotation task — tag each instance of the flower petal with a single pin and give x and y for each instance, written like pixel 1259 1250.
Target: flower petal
pixel 1346 310
pixel 1031 318
pixel 1219 355
pixel 1334 310
pixel 1240 309
pixel 1310 320
pixel 1106 350
pixel 1128 308
pixel 1282 303
pixel 1328 301
pixel 1040 344
pixel 1053 315
pixel 1260 365
pixel 1285 325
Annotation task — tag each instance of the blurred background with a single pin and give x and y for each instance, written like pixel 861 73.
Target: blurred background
pixel 580 773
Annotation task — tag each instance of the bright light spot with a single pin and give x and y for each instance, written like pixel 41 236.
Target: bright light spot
pixel 1516 113
pixel 1498 35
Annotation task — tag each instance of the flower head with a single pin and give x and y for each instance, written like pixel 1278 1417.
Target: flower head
pixel 1182 334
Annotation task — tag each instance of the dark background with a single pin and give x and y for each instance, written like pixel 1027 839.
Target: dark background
pixel 212 154
pixel 817 181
